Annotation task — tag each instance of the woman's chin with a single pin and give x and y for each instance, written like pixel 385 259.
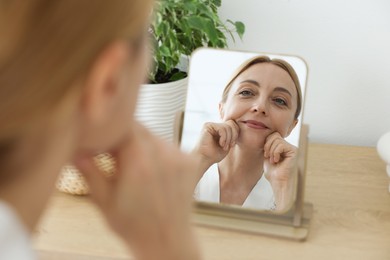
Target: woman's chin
pixel 252 143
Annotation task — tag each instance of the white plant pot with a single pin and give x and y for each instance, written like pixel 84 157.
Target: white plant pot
pixel 158 105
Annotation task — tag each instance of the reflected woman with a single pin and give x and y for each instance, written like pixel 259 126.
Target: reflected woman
pixel 245 160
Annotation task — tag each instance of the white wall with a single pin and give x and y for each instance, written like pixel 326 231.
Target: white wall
pixel 347 47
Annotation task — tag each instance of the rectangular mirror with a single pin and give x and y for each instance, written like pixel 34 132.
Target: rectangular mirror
pixel 254 101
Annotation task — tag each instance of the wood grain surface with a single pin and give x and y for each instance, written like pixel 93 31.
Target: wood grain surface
pixel 351 220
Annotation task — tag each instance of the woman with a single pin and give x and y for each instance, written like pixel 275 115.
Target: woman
pixel 70 72
pixel 245 159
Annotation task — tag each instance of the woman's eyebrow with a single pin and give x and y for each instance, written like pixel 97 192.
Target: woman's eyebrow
pixel 254 82
pixel 281 89
pixel 277 89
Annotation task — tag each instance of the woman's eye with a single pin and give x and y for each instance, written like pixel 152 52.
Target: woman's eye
pixel 246 93
pixel 280 101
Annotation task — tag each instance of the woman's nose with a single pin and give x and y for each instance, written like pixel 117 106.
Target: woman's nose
pixel 260 107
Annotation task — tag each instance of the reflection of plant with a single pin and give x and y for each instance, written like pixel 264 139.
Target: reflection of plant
pixel 180 27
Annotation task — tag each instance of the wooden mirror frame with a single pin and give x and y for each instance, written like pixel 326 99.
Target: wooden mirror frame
pixel 293 223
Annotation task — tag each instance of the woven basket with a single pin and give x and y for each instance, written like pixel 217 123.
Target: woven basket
pixel 72 181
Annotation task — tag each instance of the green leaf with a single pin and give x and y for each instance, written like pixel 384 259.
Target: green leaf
pixel 240 27
pixel 178 75
pixel 186 30
pixel 207 11
pixel 190 6
pixel 161 28
pixel 164 50
pixel 211 32
pixel 217 2
pixel 158 18
pixel 195 22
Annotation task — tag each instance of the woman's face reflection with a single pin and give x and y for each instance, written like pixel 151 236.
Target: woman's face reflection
pixel 262 100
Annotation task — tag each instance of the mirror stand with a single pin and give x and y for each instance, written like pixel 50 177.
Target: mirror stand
pixel 218 216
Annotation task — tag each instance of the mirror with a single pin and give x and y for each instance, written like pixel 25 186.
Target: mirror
pixel 256 207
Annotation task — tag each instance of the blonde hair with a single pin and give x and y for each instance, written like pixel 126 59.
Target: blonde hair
pixel 46 46
pixel 265 59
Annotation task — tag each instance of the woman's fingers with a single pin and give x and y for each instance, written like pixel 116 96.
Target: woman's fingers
pixel 269 142
pixel 223 136
pixel 277 151
pixel 234 130
pixel 275 147
pixel 215 141
pixel 227 133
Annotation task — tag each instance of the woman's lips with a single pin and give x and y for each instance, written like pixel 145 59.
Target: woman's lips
pixel 255 124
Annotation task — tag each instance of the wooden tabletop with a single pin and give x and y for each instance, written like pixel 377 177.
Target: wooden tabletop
pixel 348 186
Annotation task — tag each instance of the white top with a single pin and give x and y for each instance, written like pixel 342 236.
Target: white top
pixel 261 196
pixel 14 239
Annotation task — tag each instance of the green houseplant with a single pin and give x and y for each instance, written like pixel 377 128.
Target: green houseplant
pixel 181 26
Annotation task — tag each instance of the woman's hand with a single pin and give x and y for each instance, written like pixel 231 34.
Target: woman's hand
pixel 280 159
pixel 215 142
pixel 148 200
